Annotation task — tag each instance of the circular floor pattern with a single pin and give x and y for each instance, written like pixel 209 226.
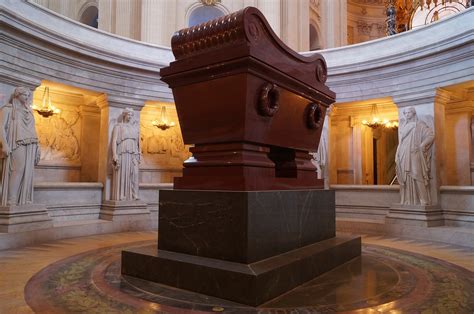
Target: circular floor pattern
pixel 381 280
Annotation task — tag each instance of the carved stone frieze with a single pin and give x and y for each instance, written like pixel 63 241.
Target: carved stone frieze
pixel 59 136
pixel 370 29
pixel 163 147
pixel 369 2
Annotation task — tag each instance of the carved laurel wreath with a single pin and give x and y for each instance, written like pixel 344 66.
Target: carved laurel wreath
pixel 314 116
pixel 321 71
pixel 269 100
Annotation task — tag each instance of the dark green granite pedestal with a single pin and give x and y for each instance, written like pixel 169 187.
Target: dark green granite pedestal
pixel 248 247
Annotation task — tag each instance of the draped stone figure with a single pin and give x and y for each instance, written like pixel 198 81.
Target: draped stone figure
pixel 125 158
pixel 413 159
pixel 320 157
pixel 20 149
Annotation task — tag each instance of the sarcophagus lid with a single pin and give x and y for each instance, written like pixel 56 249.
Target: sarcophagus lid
pixel 249 104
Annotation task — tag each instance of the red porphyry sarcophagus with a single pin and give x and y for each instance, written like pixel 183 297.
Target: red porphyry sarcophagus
pixel 252 107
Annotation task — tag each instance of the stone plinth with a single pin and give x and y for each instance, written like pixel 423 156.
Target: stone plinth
pixel 244 227
pixel 124 210
pixel 251 284
pixel 17 218
pixel 415 215
pixel 248 247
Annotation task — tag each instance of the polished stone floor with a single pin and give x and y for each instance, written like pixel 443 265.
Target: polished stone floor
pixel 82 275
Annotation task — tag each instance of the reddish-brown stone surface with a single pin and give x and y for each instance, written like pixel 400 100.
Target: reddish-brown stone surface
pixel 252 107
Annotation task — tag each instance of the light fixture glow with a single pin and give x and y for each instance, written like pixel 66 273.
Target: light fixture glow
pixel 377 122
pixel 46 108
pixel 163 123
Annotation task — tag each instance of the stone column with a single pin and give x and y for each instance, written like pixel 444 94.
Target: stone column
pixel 89 142
pixel 107 16
pixel 272 11
pixel 430 109
pixel 295 18
pixel 334 20
pixel 472 147
pixel 111 108
pixel 127 18
pixel 158 21
pixel 151 21
pixel 459 143
pixel 357 150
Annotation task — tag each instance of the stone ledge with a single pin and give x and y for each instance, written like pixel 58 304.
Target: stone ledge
pixel 72 229
pixel 250 284
pixel 459 236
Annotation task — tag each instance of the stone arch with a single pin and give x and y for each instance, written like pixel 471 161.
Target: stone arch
pixel 89 14
pixel 199 13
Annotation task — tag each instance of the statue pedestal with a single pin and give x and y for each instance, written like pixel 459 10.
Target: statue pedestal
pixel 247 247
pixel 18 218
pixel 124 210
pixel 415 215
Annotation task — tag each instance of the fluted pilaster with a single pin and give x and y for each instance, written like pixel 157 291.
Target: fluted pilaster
pixel 158 21
pixel 334 19
pixel 127 20
pixel 272 11
pixel 107 16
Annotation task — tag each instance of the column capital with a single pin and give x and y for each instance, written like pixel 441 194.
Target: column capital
pixel 105 100
pixel 413 99
pixel 18 79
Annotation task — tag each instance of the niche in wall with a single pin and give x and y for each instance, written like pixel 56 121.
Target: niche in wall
pixel 359 154
pixel 68 140
pixel 163 151
pixel 458 134
pixel 90 15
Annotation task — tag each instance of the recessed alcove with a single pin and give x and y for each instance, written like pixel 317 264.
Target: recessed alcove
pixel 163 150
pixel 360 154
pixel 69 139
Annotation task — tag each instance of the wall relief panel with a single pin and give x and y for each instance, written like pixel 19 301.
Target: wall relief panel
pixel 161 149
pixel 60 136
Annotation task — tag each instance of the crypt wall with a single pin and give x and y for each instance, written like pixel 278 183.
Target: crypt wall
pixel 99 74
pixel 365 20
pixel 155 21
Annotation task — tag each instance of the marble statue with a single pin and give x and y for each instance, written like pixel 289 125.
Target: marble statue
pixel 125 158
pixel 320 157
pixel 413 159
pixel 391 18
pixel 20 149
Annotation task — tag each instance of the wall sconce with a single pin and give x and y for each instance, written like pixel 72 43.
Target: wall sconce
pixel 46 109
pixel 377 122
pixel 163 123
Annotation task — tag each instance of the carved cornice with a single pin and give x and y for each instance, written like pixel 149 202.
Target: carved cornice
pixel 210 2
pixel 243 36
pixel 38 44
pixel 197 39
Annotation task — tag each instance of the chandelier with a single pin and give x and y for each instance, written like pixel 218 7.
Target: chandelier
pixel 377 122
pixel 400 12
pixel 163 123
pixel 46 109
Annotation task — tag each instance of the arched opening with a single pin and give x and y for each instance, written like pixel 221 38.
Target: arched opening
pixel 203 14
pixel 426 15
pixel 90 17
pixel 314 38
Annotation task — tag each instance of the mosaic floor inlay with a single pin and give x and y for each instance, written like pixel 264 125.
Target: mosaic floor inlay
pixel 382 280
